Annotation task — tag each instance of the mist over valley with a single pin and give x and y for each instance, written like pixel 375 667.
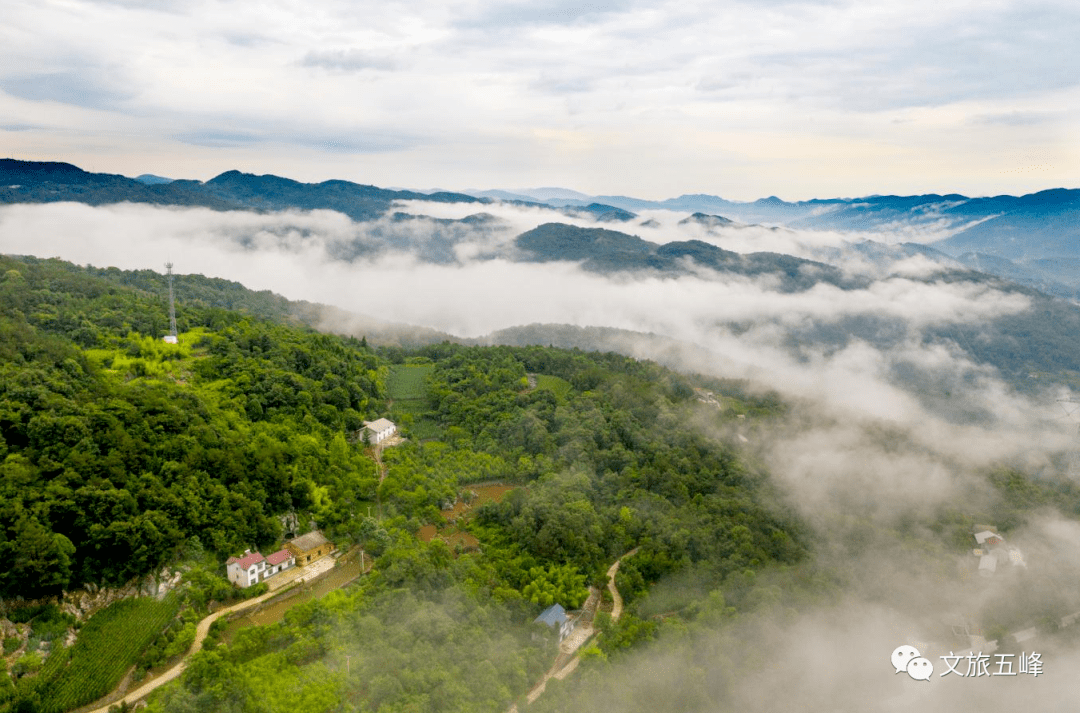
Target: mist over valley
pixel 871 382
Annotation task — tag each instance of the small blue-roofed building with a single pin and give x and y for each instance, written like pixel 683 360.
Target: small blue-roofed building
pixel 555 618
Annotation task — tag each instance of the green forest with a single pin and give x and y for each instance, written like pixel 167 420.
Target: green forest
pixel 118 449
pixel 121 455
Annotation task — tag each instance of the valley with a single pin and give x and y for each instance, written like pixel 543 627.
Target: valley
pixel 869 407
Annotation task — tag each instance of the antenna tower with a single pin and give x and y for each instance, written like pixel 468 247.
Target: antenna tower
pixel 172 305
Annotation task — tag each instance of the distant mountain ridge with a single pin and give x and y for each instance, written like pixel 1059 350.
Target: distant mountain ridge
pixel 1033 238
pixel 50 182
pixel 605 251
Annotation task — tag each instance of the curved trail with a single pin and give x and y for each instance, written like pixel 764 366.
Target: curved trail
pixel 201 630
pixel 580 635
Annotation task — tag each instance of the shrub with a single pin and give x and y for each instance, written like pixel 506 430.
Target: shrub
pixel 29 662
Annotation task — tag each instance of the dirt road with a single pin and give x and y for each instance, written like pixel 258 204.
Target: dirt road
pixel 203 628
pixel 582 633
pixel 616 607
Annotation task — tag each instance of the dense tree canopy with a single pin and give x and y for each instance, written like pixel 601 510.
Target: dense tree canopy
pixel 117 447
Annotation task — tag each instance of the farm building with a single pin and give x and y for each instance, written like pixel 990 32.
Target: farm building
pixel 379 430
pixel 310 547
pixel 993 550
pixel 280 561
pixel 989 538
pixel 555 617
pixel 253 567
pixel 244 571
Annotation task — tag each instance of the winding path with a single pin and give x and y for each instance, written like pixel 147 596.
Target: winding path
pixel 582 633
pixel 202 629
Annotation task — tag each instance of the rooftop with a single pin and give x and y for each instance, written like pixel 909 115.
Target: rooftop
pixel 278 557
pixel 246 561
pixel 309 541
pixel 553 615
pixel 379 425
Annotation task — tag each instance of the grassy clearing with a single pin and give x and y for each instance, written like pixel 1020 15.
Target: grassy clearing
pixel 108 645
pixel 409 392
pixel 141 356
pixel 557 385
pixel 413 415
pixel 406 381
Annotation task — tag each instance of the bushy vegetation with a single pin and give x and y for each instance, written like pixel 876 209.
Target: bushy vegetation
pixel 118 448
pixel 121 454
pixel 602 465
pixel 406 381
pixel 559 387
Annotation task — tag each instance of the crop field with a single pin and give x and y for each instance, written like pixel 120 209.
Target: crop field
pixel 422 426
pixel 559 386
pixel 407 389
pixel 406 381
pixel 108 645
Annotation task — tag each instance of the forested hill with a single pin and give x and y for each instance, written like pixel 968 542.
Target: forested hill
pixel 215 292
pixel 524 473
pixel 121 453
pixel 604 251
pixel 119 449
pixel 44 182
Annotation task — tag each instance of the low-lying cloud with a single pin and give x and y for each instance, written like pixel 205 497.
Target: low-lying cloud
pixel 874 435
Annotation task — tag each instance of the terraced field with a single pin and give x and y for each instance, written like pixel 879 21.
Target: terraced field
pixel 108 645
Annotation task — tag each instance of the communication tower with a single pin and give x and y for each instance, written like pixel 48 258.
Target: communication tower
pixel 171 336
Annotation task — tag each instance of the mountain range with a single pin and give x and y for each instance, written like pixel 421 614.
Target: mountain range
pixel 47 182
pixel 1029 241
pixel 1039 226
pixel 1033 239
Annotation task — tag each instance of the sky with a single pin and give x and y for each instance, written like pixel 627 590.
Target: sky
pixel 801 99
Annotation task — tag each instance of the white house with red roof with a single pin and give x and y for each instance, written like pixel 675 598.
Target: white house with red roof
pixel 279 562
pixel 253 568
pixel 244 571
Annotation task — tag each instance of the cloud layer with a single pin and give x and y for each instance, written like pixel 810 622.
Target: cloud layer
pixel 652 98
pixel 864 452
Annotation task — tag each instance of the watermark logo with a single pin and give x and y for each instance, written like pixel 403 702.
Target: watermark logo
pixel 980 664
pixel 907 658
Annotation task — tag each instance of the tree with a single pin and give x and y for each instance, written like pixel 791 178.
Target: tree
pixel 39 560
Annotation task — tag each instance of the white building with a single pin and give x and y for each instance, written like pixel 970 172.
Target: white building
pixel 244 571
pixel 253 568
pixel 378 431
pixel 279 562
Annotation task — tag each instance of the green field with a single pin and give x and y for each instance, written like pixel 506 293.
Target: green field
pixel 108 645
pixel 409 393
pixel 560 387
pixel 406 381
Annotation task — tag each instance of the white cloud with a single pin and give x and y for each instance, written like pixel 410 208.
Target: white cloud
pixel 655 99
pixel 861 445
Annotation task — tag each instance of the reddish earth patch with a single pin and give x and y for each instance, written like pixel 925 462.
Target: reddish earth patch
pixel 452 534
pixel 462 538
pixel 454 538
pixel 484 494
